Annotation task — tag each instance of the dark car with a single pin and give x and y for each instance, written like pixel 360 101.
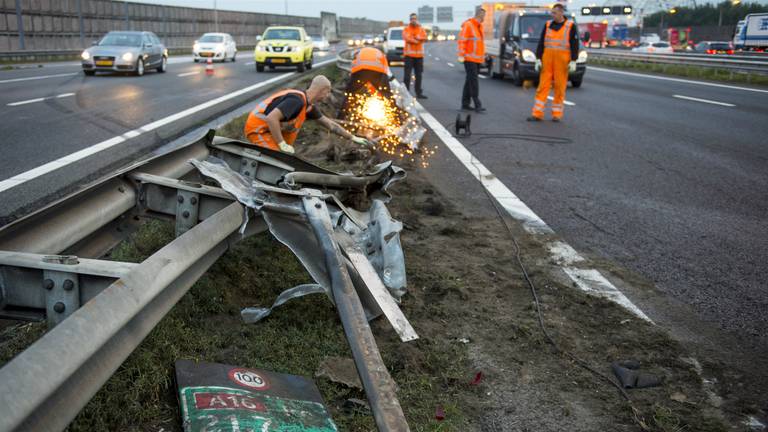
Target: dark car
pixel 511 49
pixel 708 47
pixel 126 51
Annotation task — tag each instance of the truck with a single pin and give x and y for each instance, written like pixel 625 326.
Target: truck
pixel 754 33
pixel 594 34
pixel 510 46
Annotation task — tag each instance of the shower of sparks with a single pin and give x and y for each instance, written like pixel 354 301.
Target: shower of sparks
pixel 390 128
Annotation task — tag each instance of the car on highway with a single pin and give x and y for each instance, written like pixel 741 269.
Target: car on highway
pixel 653 48
pixel 511 46
pixel 394 44
pixel 369 39
pixel 356 40
pixel 320 43
pixel 125 51
pixel 710 47
pixel 283 46
pixel 217 46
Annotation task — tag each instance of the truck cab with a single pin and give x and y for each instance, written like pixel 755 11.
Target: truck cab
pixel 511 48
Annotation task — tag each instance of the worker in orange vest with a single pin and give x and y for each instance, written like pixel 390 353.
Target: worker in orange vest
pixel 276 121
pixel 557 52
pixel 472 54
pixel 370 74
pixel 414 37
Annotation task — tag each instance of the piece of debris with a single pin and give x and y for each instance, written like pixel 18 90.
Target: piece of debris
pixel 678 397
pixel 630 377
pixel 754 424
pixel 476 380
pixel 215 396
pixel 340 370
pixel 463 340
pixel 439 413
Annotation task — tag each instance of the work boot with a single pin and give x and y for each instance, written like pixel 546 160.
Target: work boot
pixel 533 119
pixel 480 110
pixel 421 96
pixel 556 119
pixel 466 108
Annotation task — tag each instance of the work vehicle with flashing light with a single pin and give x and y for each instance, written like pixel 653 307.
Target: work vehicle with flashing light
pixel 217 46
pixel 125 51
pixel 284 46
pixel 511 45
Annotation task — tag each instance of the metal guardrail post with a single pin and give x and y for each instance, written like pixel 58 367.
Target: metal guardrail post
pixel 40 392
pixel 378 384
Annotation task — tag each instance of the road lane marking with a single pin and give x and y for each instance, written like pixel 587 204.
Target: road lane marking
pixel 29 101
pixel 572 263
pixel 703 100
pixel 569 103
pixel 451 64
pixel 188 73
pixel 38 77
pixel 678 80
pixel 437 58
pixel 250 64
pixel 483 76
pixel 104 145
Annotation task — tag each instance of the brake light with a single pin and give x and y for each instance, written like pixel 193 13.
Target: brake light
pixel 710 51
pixel 730 51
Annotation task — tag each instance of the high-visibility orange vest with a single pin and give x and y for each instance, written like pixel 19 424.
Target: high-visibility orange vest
pixel 559 40
pixel 414 37
pixel 471 43
pixel 370 59
pixel 257 129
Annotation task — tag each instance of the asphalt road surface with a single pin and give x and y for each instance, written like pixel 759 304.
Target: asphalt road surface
pixel 665 177
pixel 53 111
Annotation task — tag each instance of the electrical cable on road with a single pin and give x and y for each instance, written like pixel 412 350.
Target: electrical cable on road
pixel 540 315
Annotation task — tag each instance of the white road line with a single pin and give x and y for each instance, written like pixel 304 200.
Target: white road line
pixel 188 73
pixel 38 77
pixel 249 64
pixel 703 100
pixel 483 76
pixel 74 157
pixel 451 64
pixel 677 80
pixel 565 102
pixel 588 280
pixel 437 58
pixel 29 101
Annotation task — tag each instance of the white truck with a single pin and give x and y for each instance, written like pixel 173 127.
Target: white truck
pixel 753 35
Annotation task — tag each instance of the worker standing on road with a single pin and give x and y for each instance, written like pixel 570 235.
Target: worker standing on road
pixel 276 121
pixel 414 37
pixel 472 54
pixel 557 52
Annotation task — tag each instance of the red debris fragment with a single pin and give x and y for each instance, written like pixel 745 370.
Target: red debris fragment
pixel 478 378
pixel 440 414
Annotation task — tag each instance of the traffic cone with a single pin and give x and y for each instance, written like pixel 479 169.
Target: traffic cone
pixel 209 67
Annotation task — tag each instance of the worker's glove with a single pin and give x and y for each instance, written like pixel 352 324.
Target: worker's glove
pixel 460 59
pixel 572 67
pixel 286 148
pixel 537 67
pixel 360 140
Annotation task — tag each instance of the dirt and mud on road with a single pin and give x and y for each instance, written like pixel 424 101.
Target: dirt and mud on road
pixel 482 362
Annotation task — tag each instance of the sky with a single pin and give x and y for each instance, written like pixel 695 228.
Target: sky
pixel 381 10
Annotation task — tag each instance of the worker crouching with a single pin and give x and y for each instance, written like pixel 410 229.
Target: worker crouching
pixel 276 121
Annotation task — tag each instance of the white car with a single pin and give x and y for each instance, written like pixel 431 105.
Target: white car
pixel 654 48
pixel 319 43
pixel 394 45
pixel 218 46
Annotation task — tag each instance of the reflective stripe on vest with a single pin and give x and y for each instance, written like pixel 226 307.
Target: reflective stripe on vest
pixel 558 42
pixel 289 129
pixel 472 42
pixel 378 63
pixel 413 49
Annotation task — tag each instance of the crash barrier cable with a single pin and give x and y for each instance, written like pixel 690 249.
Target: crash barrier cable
pixel 540 315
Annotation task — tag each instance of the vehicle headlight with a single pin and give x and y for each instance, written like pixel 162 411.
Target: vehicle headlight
pixel 261 48
pixel 127 56
pixel 85 55
pixel 582 57
pixel 196 47
pixel 350 42
pixel 529 56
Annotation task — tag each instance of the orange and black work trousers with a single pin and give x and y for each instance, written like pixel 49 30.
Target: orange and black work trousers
pixel 554 74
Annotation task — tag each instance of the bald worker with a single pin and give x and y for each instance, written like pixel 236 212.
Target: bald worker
pixel 276 121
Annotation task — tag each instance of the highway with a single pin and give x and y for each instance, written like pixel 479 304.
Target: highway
pixel 54 111
pixel 665 177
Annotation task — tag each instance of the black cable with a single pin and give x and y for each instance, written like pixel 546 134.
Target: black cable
pixel 540 314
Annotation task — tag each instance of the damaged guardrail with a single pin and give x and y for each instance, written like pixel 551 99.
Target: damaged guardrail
pixel 217 191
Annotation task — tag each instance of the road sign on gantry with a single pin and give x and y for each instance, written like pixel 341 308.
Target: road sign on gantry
pixel 444 14
pixel 606 10
pixel 426 14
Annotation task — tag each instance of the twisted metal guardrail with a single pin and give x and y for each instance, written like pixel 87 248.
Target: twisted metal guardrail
pixel 100 311
pixel 742 64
